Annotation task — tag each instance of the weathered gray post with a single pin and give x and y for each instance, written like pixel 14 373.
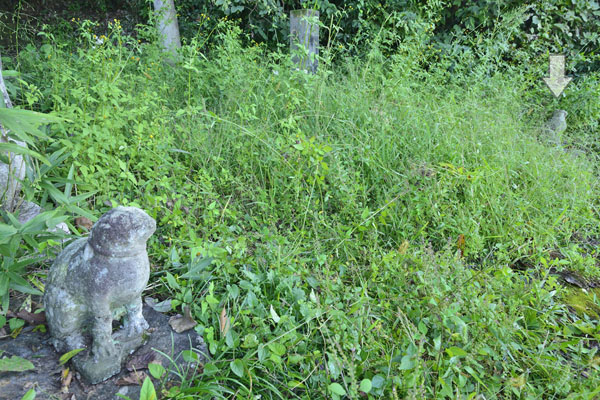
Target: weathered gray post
pixel 304 38
pixel 166 17
pixel 12 173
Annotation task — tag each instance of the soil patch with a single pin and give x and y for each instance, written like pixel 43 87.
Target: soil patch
pixel 163 346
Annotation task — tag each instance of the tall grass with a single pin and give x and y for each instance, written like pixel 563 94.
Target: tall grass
pixel 362 220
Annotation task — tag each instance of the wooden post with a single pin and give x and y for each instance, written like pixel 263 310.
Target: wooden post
pixel 166 17
pixel 304 39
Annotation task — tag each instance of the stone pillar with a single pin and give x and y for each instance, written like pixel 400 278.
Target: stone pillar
pixel 168 29
pixel 11 175
pixel 13 172
pixel 304 39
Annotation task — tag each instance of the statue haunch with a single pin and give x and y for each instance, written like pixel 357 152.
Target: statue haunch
pixel 91 282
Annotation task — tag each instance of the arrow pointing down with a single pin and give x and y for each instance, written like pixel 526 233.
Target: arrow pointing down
pixel 557 81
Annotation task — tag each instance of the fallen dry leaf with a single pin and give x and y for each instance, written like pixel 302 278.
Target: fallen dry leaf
pixel 182 323
pixel 141 361
pixel 32 318
pixel 65 380
pixel 460 243
pixel 3 333
pixel 403 247
pixel 555 254
pixel 83 223
pixel 224 322
pixel 518 382
pixel 133 378
pixel 16 332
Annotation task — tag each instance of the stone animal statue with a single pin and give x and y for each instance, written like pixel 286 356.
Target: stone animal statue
pixel 555 126
pixel 92 281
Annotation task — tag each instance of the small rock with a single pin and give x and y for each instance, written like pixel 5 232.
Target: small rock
pixel 163 306
pixel 182 323
pixel 28 211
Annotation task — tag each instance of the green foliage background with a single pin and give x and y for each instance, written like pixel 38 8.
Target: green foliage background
pixel 518 32
pixel 571 27
pixel 393 226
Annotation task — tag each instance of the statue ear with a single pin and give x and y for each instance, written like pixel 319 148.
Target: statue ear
pixel 88 252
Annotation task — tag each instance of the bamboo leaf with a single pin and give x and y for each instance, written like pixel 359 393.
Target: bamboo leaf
pixel 15 148
pixel 67 356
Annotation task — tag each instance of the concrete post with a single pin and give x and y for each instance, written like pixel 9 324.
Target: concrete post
pixel 166 17
pixel 13 173
pixel 304 39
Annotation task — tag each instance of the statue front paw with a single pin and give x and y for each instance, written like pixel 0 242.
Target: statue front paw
pixel 136 327
pixel 104 350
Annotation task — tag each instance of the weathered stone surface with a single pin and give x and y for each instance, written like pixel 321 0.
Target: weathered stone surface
pixel 304 37
pixel 555 126
pixel 45 378
pixel 168 28
pixel 28 211
pixel 94 281
pixel 10 176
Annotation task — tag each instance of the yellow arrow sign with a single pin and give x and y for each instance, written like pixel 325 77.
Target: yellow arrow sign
pixel 556 79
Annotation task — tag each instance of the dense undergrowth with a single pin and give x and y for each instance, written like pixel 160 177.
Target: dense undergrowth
pixel 365 224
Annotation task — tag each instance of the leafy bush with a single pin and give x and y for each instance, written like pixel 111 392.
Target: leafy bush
pixel 522 32
pixel 30 243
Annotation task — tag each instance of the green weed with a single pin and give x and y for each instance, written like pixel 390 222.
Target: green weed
pixel 350 233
